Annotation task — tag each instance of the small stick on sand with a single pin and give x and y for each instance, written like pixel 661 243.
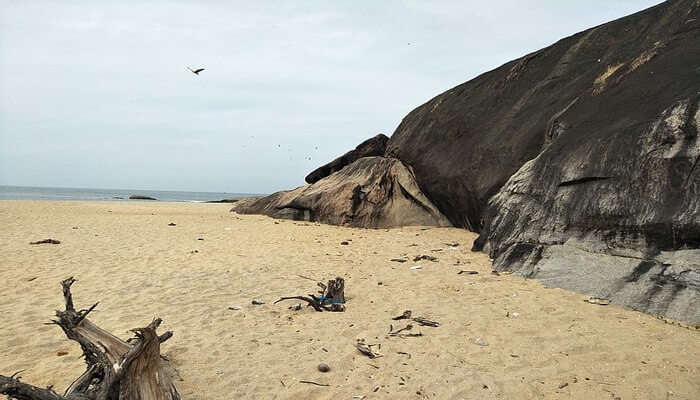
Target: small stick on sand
pixel 398 333
pixel 426 322
pixel 314 383
pixel 47 241
pixel 467 272
pixel 406 315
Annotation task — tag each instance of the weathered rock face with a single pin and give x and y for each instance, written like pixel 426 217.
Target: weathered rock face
pixel 374 146
pixel 616 215
pixel 611 205
pixel 465 143
pixel 372 192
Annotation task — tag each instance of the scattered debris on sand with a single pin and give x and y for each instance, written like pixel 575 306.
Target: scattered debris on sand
pixel 366 349
pixel 597 300
pixel 400 332
pixel 420 320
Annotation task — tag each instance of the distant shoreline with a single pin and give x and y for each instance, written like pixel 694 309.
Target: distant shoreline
pixel 93 194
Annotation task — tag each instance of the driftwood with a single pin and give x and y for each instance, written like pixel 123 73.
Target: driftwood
pixel 424 257
pixel 425 322
pixel 406 315
pixel 400 332
pixel 46 241
pixel 116 370
pixel 420 320
pixel 314 383
pixel 467 272
pixel 331 296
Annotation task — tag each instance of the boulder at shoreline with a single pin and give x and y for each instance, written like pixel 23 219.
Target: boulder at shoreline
pixel 140 197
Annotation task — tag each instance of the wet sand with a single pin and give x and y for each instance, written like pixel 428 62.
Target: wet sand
pixel 500 336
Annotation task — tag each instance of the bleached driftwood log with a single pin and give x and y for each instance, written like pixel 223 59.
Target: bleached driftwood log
pixel 116 370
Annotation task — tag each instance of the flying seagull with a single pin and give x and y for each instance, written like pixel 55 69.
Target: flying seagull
pixel 196 71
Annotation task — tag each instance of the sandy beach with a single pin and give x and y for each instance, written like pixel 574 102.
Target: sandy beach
pixel 499 336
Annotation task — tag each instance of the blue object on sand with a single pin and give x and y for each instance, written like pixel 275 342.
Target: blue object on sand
pixel 330 299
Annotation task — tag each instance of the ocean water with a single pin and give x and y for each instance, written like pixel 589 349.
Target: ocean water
pixel 49 193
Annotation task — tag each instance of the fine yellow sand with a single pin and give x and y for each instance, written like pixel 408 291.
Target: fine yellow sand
pixel 126 256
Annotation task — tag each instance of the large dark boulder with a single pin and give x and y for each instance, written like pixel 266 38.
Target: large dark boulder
pixel 611 205
pixel 615 214
pixel 465 143
pixel 372 192
pixel 374 146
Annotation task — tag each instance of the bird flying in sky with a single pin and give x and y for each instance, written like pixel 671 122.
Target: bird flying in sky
pixel 196 71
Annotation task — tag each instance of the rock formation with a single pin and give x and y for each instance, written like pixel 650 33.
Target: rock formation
pixel 465 143
pixel 141 197
pixel 577 163
pixel 375 146
pixel 596 137
pixel 616 215
pixel 372 192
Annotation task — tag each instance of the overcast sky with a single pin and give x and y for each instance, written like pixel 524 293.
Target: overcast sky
pixel 96 94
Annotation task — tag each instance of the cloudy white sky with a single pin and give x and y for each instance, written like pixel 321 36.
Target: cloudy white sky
pixel 96 94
